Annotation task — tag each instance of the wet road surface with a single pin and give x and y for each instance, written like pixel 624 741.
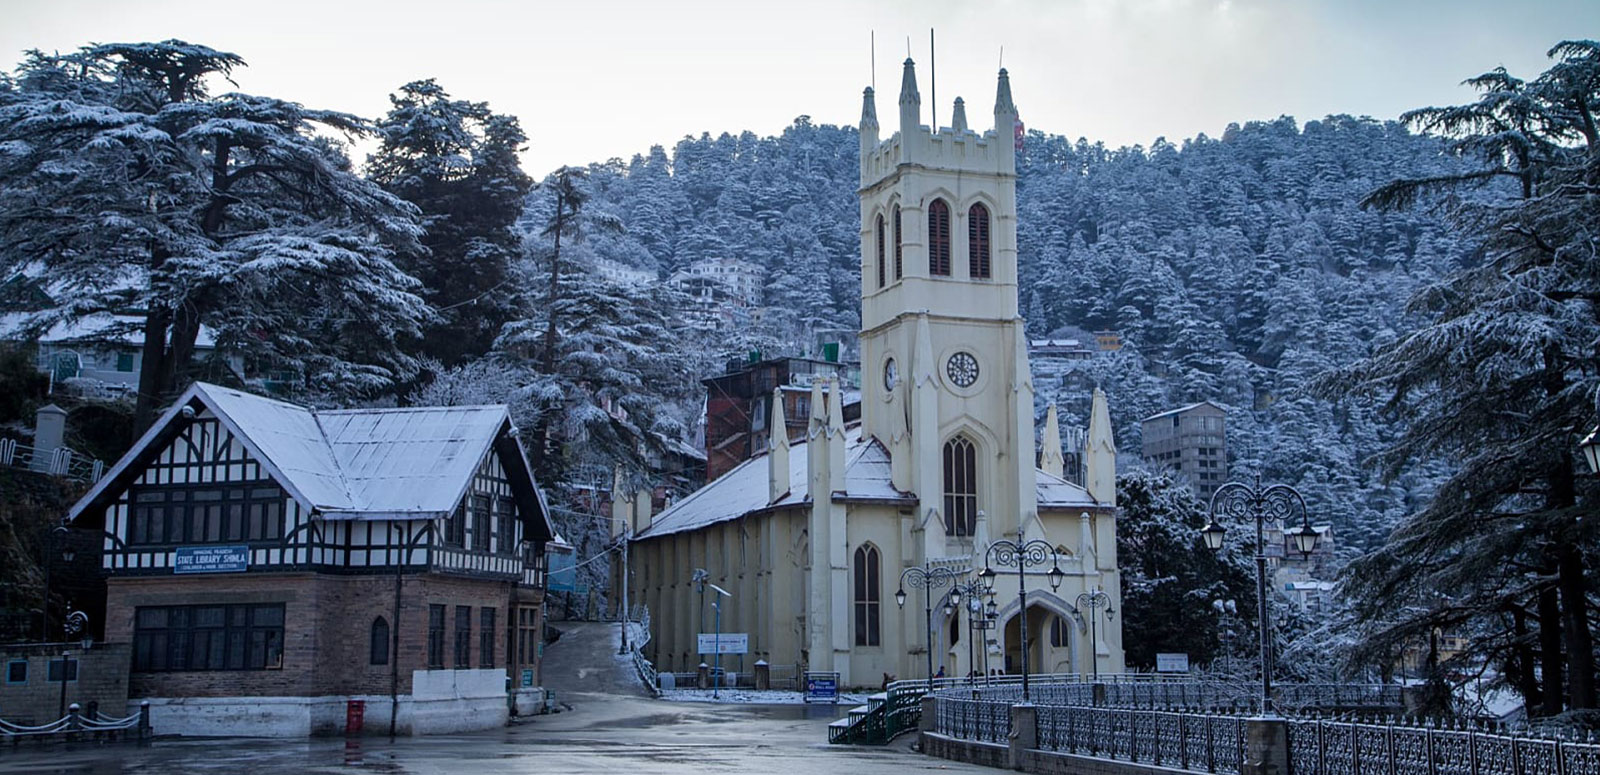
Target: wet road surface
pixel 612 726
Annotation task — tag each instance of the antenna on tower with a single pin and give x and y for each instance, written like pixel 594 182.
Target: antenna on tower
pixel 933 85
pixel 1002 57
pixel 874 64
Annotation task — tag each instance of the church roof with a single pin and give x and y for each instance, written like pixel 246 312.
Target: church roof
pixel 743 490
pixel 1057 493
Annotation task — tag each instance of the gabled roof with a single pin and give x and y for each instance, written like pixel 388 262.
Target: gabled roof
pixel 1054 492
pixel 413 463
pixel 743 490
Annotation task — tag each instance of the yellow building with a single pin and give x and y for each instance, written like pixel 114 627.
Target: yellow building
pixel 810 540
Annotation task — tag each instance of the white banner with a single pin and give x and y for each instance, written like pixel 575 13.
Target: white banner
pixel 1172 663
pixel 726 643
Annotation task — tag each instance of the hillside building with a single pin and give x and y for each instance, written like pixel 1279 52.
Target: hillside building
pixel 1190 441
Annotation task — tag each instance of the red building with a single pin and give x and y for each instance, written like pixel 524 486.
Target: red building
pixel 739 405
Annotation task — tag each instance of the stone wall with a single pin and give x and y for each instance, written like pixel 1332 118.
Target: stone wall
pixel 102 679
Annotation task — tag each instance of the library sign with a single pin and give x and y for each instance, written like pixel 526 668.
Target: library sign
pixel 211 559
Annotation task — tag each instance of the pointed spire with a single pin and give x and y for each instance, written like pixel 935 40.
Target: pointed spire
pixel 908 85
pixel 777 451
pixel 835 408
pixel 819 418
pixel 910 102
pixel 1100 453
pixel 1002 98
pixel 869 110
pixel 958 118
pixel 1051 459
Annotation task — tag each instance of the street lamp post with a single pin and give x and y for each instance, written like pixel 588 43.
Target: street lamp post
pixel 1226 611
pixel 1274 505
pixel 1023 554
pixel 53 543
pixel 973 592
pixel 1094 600
pixel 927 579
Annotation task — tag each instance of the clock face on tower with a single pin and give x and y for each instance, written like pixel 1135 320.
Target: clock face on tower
pixel 891 374
pixel 962 369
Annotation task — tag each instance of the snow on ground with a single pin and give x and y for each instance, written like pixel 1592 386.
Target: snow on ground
pixel 751 697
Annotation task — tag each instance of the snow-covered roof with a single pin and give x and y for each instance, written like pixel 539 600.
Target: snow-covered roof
pixel 1181 409
pixel 1057 493
pixel 96 328
pixel 413 463
pixel 743 489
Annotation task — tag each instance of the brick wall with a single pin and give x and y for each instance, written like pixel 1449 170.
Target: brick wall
pixel 102 678
pixel 327 629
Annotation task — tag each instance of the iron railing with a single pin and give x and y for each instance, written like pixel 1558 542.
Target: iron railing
pixel 61 461
pixel 1187 741
pixel 1345 748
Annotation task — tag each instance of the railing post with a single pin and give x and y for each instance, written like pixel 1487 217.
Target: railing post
pixel 1024 734
pixel 1183 741
pixel 144 720
pixel 74 721
pixel 1266 747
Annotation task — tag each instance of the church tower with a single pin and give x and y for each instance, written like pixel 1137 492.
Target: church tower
pixel 945 379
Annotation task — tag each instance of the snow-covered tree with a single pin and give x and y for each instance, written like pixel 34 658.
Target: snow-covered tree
pixel 457 162
pixel 125 186
pixel 1501 378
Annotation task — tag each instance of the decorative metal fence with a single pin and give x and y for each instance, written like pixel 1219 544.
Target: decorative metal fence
pixel 1187 741
pixel 986 721
pixel 1342 748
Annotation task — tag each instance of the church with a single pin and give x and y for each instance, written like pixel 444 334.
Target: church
pixel 803 548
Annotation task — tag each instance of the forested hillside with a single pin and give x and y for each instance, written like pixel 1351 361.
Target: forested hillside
pixel 1235 269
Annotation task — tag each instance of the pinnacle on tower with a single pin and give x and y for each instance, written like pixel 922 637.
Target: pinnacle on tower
pixel 958 118
pixel 910 100
pixel 869 110
pixel 1002 98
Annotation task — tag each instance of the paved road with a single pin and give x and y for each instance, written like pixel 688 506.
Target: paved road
pixel 612 727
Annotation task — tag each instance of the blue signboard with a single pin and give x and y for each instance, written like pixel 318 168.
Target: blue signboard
pixel 211 559
pixel 822 687
pixel 563 573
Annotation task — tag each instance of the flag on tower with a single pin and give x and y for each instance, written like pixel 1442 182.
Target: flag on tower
pixel 1018 132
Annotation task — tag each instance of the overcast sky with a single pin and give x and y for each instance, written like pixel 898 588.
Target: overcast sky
pixel 593 79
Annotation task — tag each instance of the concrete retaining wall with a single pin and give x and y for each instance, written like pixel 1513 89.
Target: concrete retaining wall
pixel 445 701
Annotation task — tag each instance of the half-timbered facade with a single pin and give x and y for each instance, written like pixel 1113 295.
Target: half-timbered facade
pixel 270 564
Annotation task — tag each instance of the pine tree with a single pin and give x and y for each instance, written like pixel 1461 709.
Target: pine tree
pixel 1500 378
pixel 457 162
pixel 134 190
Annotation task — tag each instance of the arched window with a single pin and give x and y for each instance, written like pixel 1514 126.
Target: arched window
pixel 960 487
pixel 978 241
pixel 881 255
pixel 1058 632
pixel 939 238
pixel 378 652
pixel 898 273
pixel 868 595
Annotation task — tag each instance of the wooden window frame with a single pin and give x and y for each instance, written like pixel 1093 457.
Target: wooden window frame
pixel 899 263
pixel 938 238
pixel 960 486
pixel 868 595
pixel 881 253
pixel 253 512
pixel 486 633
pixel 436 636
pixel 378 642
pixel 463 639
pixel 231 636
pixel 979 264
